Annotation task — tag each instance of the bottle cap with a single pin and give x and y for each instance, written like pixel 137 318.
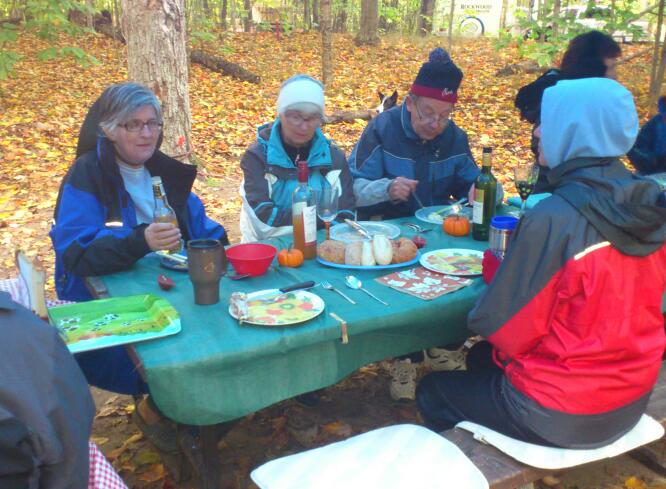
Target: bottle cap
pixel 156 180
pixel 487 149
pixel 504 222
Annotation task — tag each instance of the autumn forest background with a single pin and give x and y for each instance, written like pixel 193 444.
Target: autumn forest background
pixel 57 56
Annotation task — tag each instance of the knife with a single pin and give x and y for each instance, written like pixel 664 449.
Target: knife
pixel 172 256
pixel 359 229
pixel 271 295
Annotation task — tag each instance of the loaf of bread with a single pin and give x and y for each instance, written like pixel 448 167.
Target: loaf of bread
pixel 333 251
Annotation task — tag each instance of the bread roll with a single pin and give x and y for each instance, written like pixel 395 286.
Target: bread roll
pixel 353 253
pixel 406 250
pixel 333 251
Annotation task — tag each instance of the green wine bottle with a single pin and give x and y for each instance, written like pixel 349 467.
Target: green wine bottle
pixel 485 188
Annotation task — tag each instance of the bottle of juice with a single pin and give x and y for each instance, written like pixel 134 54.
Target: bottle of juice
pixel 163 211
pixel 304 214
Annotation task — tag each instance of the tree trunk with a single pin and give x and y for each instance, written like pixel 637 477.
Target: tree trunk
pixel 505 8
pixel 116 14
pixel 653 94
pixel 307 18
pixel 247 4
pixel 220 65
pixel 451 12
pixel 425 17
pixel 223 15
pixel 326 42
pixel 315 12
pixel 206 8
pixel 340 22
pixel 367 33
pixel 556 15
pixel 157 57
pixel 233 15
pixel 89 14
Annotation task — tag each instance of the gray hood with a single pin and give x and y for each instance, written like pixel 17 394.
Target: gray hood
pixel 587 118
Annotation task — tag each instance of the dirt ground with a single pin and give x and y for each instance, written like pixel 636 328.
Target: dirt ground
pixel 359 403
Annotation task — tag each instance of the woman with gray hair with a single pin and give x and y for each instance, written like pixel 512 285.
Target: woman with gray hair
pixel 103 220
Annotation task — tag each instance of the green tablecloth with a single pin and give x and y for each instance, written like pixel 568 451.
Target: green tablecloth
pixel 215 370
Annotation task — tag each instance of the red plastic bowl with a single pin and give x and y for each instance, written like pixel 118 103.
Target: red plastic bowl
pixel 251 258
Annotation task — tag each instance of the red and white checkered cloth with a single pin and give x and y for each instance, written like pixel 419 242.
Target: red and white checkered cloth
pixel 19 292
pixel 102 474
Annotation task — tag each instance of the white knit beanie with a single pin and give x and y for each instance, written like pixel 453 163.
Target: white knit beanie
pixel 301 89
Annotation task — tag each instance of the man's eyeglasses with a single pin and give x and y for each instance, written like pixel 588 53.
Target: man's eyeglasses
pixel 432 119
pixel 297 119
pixel 137 125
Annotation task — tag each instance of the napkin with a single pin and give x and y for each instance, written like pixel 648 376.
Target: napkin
pixel 393 457
pixel 422 283
pixel 532 200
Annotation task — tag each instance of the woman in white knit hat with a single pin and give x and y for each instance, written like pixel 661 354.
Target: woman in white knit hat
pixel 269 164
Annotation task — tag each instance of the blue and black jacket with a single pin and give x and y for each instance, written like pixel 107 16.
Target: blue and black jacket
pixel 95 231
pixel 648 155
pixel 270 178
pixel 389 147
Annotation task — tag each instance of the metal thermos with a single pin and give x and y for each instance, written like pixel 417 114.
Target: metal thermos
pixel 500 231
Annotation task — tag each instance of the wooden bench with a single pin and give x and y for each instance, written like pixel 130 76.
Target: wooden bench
pixel 504 472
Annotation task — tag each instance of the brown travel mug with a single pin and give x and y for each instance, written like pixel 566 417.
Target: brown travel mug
pixel 207 262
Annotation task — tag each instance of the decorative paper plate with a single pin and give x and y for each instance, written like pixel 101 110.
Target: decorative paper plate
pixel 344 232
pixel 109 322
pixel 375 267
pixel 290 308
pixel 435 214
pixel 454 261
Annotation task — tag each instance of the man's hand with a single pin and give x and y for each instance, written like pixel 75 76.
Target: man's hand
pixel 162 236
pixel 401 188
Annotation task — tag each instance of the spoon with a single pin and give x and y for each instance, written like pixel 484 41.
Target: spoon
pixel 354 283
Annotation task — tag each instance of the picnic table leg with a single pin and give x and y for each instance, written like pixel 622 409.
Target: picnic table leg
pixel 199 445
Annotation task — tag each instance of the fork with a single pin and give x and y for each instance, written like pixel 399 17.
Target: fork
pixel 327 285
pixel 416 228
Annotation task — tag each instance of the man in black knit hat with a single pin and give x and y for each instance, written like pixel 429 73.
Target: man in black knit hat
pixel 414 152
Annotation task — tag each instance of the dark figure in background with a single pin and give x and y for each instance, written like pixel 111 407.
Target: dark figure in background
pixel 590 55
pixel 648 155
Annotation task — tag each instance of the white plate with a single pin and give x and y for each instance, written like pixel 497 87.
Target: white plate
pixel 427 214
pixel 345 233
pixel 454 261
pixel 291 308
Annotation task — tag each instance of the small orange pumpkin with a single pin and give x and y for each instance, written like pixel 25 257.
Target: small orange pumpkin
pixel 291 257
pixel 456 225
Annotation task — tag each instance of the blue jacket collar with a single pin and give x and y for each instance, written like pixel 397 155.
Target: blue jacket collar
pixel 320 152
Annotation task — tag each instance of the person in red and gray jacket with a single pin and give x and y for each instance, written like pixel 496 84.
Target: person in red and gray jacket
pixel 573 314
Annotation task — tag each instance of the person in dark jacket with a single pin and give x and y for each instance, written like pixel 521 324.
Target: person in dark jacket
pixel 574 312
pixel 269 164
pixel 649 153
pixel 593 54
pixel 415 152
pixel 104 212
pixel 46 411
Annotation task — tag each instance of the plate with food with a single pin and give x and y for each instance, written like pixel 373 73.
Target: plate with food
pixel 275 309
pixel 435 214
pixel 346 233
pixel 454 261
pixel 174 261
pixel 376 254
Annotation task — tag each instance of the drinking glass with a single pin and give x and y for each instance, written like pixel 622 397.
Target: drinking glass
pixel 327 207
pixel 525 177
pixel 207 263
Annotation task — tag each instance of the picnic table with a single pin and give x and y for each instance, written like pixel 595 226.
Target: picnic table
pixel 216 370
